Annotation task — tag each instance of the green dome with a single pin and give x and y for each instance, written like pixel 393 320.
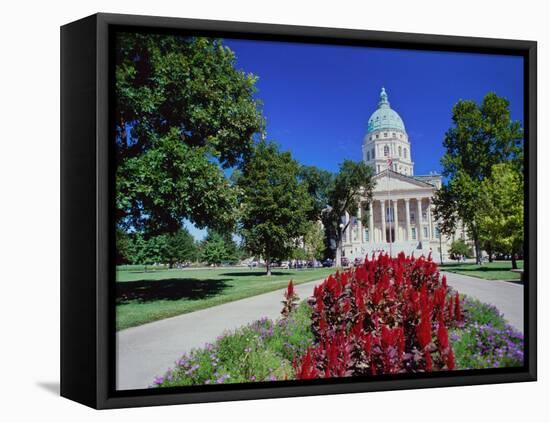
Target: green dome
pixel 385 117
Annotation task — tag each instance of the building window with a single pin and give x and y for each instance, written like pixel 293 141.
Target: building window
pixel 366 236
pixel 412 216
pixel 413 233
pixel 385 135
pixel 399 150
pixel 373 156
pixel 405 152
pixel 425 232
pixel 424 216
pixel 386 151
pixel 437 233
pixel 368 155
pixel 376 136
pixel 393 134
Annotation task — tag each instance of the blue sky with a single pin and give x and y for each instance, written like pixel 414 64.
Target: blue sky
pixel 317 99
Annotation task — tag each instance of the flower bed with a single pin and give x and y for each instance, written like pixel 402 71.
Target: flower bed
pixel 487 341
pixel 390 315
pixel 262 351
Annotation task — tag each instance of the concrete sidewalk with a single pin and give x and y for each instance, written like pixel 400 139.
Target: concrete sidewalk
pixel 146 351
pixel 506 296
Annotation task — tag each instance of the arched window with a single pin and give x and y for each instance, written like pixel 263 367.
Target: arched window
pixel 399 149
pixel 368 156
pixel 373 155
pixel 405 152
pixel 386 151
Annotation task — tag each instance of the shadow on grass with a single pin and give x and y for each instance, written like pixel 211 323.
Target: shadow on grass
pixel 169 289
pixel 465 268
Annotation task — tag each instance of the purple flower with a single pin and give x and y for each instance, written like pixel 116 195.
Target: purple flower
pixel 159 380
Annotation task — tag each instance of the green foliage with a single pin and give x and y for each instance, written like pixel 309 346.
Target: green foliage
pixel 501 215
pixel 182 111
pixel 217 249
pixel 168 249
pixel 180 247
pixel 353 181
pixel 123 247
pixel 262 351
pixel 275 205
pixel 459 248
pixel 314 241
pixel 318 182
pixel 481 137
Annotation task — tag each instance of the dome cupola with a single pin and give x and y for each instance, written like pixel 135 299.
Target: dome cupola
pixel 385 117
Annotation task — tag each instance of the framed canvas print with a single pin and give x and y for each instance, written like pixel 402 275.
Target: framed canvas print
pixel 257 211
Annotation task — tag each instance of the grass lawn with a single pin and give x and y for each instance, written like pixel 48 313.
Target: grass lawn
pixel 143 297
pixel 491 271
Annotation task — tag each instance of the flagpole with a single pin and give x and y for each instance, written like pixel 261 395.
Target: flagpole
pixel 390 162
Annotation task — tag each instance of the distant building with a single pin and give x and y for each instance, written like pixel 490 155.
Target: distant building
pixel 401 210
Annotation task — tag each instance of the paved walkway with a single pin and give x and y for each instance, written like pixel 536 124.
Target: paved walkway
pixel 506 296
pixel 146 351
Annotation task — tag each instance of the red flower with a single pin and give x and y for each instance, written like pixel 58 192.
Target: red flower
pixel 458 312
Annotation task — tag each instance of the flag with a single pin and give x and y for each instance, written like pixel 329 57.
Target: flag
pixel 390 163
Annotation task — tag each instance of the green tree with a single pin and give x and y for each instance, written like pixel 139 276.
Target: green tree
pixel 183 111
pixel 179 247
pixel 481 136
pixel 147 252
pixel 501 213
pixel 216 249
pixel 318 182
pixel 459 249
pixel 314 241
pixel 275 205
pixel 353 181
pixel 123 247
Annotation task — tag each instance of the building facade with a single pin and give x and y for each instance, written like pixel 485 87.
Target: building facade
pixel 400 214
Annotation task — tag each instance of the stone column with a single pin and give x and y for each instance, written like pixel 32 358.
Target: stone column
pixel 408 217
pixel 383 212
pixel 359 223
pixel 430 220
pixel 419 219
pixel 371 224
pixel 395 219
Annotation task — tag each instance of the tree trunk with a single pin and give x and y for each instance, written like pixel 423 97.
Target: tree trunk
pixel 338 259
pixel 514 261
pixel 268 266
pixel 477 248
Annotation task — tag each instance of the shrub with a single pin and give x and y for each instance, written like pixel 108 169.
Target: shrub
pixel 389 315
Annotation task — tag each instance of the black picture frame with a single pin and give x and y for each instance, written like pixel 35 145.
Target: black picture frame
pixel 87 330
